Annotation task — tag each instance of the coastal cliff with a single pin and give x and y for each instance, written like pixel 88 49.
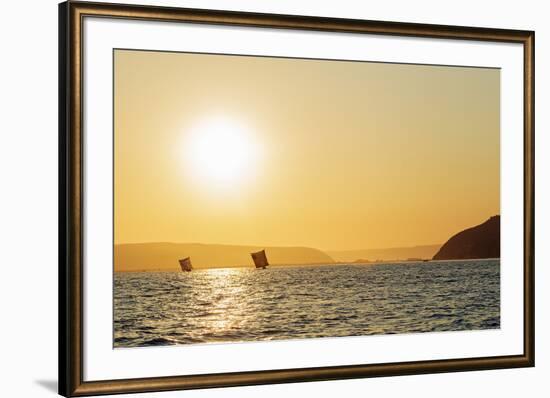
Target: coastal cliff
pixel 481 241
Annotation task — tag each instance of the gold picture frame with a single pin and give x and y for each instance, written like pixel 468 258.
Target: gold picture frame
pixel 71 206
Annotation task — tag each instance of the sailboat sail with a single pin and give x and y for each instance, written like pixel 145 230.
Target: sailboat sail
pixel 260 259
pixel 185 264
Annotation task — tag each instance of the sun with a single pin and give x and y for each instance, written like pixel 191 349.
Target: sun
pixel 220 151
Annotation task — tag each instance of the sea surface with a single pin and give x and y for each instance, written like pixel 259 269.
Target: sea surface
pixel 290 302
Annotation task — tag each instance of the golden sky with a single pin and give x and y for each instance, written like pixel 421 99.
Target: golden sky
pixel 289 152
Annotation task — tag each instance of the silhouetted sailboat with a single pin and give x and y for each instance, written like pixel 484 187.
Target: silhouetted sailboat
pixel 185 264
pixel 260 259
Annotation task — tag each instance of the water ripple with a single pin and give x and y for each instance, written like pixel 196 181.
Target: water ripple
pixel 242 304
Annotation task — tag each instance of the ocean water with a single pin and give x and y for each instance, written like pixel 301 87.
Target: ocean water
pixel 245 304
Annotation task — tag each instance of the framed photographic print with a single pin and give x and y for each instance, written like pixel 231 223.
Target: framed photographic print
pixel 252 199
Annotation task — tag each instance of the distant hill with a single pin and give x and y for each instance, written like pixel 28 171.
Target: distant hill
pixel 164 256
pixel 395 253
pixel 481 241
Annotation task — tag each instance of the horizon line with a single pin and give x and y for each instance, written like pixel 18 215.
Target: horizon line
pixel 278 246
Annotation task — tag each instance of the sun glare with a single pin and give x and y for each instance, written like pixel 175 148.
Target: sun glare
pixel 220 151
